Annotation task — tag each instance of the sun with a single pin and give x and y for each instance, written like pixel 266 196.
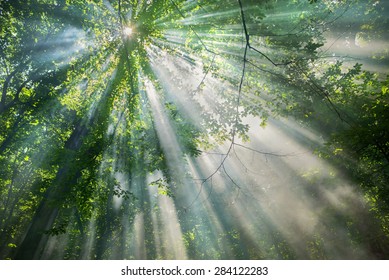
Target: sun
pixel 127 31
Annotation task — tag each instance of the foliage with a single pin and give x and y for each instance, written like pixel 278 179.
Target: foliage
pixel 81 151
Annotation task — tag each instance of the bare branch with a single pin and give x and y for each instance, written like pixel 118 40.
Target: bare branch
pixel 248 40
pixel 229 177
pixel 265 153
pixel 238 103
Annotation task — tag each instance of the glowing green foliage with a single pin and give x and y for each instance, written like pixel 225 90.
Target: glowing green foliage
pixel 85 106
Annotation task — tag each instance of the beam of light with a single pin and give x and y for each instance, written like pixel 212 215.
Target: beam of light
pixel 172 43
pixel 173 153
pixel 256 205
pixel 303 222
pixel 137 248
pixel 165 66
pixel 156 221
pixel 168 235
pixel 211 40
pixel 166 133
pixel 353 48
pixel 272 199
pixel 41 157
pixel 53 246
pixel 271 187
pixel 186 90
pixel 56 244
pixel 196 19
pixel 108 5
pixel 283 16
pixel 172 233
pixel 63 48
pixel 87 249
pixel 199 203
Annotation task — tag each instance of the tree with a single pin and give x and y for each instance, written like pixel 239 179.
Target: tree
pixel 106 107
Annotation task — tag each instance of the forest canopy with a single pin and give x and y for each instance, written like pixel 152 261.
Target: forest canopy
pixel 182 129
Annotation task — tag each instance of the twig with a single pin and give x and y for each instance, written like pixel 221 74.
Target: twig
pixel 265 153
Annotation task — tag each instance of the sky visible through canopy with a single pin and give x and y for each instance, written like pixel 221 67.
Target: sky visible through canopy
pixel 181 129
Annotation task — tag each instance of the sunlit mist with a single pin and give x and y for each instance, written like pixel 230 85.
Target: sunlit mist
pixel 177 129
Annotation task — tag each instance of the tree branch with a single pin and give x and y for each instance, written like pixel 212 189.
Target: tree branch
pixel 248 40
pixel 265 153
